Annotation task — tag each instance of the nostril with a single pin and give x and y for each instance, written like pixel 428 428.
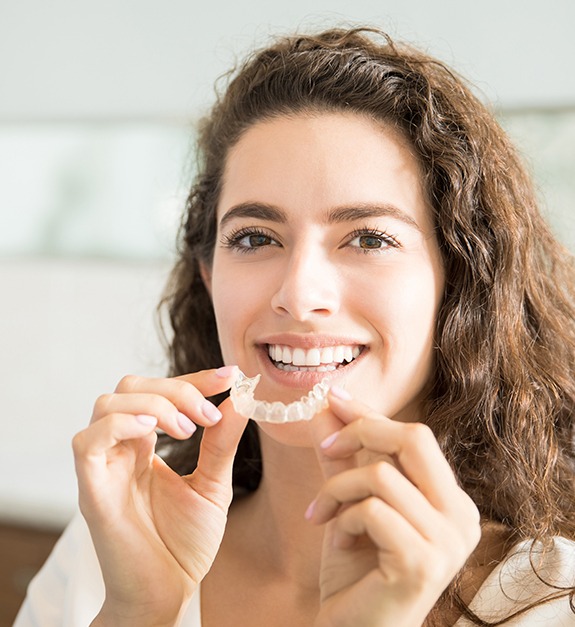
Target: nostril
pixel 306 292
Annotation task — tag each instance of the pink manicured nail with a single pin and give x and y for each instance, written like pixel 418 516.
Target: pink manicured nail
pixel 340 393
pixel 210 411
pixel 186 425
pixel 148 421
pixel 225 371
pixel 329 440
pixel 310 510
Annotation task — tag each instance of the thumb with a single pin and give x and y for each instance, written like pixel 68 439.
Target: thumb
pixel 217 452
pixel 324 425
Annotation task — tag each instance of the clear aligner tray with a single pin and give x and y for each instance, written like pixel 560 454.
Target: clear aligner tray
pixel 242 395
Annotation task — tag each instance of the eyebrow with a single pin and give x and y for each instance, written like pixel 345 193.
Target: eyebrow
pixel 363 211
pixel 338 215
pixel 257 210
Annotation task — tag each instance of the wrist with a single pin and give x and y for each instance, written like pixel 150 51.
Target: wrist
pixel 113 616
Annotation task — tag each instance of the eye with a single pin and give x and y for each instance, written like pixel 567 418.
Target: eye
pixel 255 240
pixel 248 240
pixel 371 240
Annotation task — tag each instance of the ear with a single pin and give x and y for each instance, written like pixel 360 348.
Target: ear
pixel 206 274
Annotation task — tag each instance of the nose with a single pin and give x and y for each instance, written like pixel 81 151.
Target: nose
pixel 308 287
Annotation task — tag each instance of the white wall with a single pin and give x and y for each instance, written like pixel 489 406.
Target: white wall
pixel 159 58
pixel 69 329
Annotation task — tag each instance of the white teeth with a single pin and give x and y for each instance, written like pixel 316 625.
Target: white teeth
pixel 326 356
pixel 338 352
pixel 298 357
pixel 286 355
pixel 292 368
pixel 312 357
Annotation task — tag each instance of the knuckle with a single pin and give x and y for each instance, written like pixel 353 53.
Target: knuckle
pixel 415 565
pixel 419 435
pixel 365 424
pixel 372 508
pixel 184 388
pixel 430 566
pixel 102 403
pixel 128 383
pixel 381 473
pixel 79 443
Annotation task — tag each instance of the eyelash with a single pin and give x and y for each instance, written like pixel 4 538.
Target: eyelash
pixel 389 241
pixel 232 240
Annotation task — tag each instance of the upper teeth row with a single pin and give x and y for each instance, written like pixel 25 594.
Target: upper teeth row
pixel 313 356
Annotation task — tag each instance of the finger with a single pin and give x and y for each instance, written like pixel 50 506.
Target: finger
pixel 186 393
pixel 381 480
pixel 211 382
pixel 217 451
pixel 323 425
pixel 385 527
pixel 169 418
pixel 402 552
pixel 105 434
pixel 412 445
pixel 94 446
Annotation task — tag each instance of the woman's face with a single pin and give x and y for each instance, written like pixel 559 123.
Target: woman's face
pixel 326 264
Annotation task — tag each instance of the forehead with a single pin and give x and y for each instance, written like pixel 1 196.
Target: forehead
pixel 311 163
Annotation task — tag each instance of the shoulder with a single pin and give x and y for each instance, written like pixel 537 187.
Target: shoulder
pixel 530 573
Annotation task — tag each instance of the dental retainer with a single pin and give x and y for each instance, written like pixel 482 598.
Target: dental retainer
pixel 242 395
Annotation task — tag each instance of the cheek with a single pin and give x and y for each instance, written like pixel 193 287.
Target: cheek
pixel 236 296
pixel 403 313
pixel 408 297
pixel 228 314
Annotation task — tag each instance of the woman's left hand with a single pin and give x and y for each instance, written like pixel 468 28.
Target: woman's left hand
pixel 399 527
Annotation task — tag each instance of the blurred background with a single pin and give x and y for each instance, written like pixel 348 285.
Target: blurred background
pixel 98 102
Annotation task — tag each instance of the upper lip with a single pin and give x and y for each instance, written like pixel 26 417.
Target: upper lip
pixel 310 340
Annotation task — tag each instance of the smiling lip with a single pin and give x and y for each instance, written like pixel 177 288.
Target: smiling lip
pixel 304 360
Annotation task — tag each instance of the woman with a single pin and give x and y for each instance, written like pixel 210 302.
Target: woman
pixel 358 217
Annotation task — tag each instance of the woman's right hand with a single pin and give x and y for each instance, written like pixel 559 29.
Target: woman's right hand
pixel 156 533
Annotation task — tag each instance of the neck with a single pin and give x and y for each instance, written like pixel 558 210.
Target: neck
pixel 273 516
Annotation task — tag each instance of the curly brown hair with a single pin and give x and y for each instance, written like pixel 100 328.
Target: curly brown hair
pixel 502 399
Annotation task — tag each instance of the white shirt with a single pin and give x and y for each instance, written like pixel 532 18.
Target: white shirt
pixel 69 590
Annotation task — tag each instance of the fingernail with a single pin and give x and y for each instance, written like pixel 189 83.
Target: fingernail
pixel 186 425
pixel 310 510
pixel 340 393
pixel 329 440
pixel 148 421
pixel 225 371
pixel 210 411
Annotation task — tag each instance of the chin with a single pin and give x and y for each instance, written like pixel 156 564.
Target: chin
pixel 296 434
